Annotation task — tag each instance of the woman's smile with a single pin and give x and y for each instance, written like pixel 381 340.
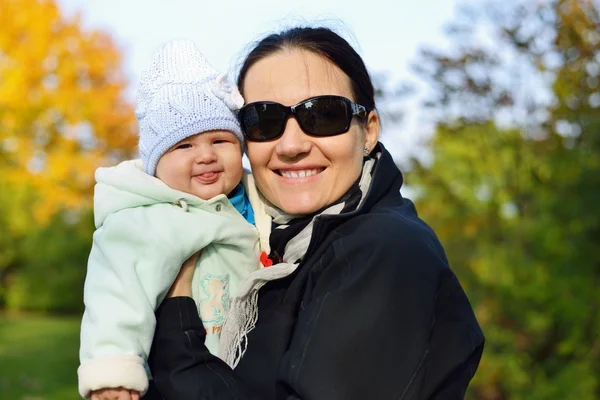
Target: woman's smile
pixel 299 173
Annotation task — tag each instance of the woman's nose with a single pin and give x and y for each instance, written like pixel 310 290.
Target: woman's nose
pixel 294 141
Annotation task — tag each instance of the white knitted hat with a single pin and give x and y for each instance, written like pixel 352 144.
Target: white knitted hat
pixel 181 95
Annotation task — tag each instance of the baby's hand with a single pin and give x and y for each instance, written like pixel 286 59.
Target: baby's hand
pixel 115 394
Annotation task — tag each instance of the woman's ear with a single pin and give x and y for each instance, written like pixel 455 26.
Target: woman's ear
pixel 372 130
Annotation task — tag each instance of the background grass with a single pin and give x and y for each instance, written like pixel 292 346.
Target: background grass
pixel 39 357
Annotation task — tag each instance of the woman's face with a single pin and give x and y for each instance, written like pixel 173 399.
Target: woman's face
pixel 301 174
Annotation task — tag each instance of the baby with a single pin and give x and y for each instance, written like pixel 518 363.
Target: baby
pixel 153 214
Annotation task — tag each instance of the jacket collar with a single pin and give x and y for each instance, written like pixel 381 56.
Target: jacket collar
pixel 387 179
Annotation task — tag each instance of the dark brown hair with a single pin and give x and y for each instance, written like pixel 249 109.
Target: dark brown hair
pixel 323 42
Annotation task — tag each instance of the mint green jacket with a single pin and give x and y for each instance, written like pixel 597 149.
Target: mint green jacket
pixel 145 231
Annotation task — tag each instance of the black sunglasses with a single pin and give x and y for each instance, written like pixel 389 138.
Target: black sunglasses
pixel 318 116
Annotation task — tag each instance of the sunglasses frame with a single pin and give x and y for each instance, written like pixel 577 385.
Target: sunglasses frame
pixel 356 110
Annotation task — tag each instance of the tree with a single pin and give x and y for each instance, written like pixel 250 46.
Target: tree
pixel 62 114
pixel 514 189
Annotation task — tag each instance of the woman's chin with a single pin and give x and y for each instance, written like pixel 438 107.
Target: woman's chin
pixel 301 205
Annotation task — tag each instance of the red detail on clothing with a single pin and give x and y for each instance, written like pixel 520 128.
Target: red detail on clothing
pixel 265 260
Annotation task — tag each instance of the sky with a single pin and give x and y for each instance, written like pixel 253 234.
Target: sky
pixel 386 33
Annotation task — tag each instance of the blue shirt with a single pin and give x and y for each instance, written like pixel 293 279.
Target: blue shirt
pixel 240 201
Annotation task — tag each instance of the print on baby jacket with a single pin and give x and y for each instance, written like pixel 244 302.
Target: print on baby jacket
pixel 215 302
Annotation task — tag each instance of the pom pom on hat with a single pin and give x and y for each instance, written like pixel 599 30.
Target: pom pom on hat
pixel 181 95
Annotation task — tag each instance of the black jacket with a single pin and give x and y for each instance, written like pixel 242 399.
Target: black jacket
pixel 372 312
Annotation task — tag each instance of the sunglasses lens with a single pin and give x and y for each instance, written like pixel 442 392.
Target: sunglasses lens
pixel 262 121
pixel 324 116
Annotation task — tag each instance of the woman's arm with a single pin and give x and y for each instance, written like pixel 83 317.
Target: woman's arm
pixel 181 365
pixel 386 320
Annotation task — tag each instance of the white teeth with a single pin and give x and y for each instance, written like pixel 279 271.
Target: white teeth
pixel 299 174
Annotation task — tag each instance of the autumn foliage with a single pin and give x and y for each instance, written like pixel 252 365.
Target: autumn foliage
pixel 62 111
pixel 62 114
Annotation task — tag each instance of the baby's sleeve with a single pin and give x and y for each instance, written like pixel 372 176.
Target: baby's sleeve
pixel 129 273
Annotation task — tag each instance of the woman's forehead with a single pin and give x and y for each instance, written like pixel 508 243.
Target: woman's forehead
pixel 290 76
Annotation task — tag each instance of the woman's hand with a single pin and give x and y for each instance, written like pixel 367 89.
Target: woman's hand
pixel 183 283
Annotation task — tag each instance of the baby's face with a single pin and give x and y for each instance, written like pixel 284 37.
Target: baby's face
pixel 205 165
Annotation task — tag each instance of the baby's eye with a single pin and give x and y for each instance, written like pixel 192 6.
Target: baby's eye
pixel 219 141
pixel 183 146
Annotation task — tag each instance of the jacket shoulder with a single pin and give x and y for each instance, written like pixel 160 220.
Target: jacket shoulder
pixel 387 249
pixel 392 228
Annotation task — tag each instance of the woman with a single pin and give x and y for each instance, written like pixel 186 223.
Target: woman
pixel 369 308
